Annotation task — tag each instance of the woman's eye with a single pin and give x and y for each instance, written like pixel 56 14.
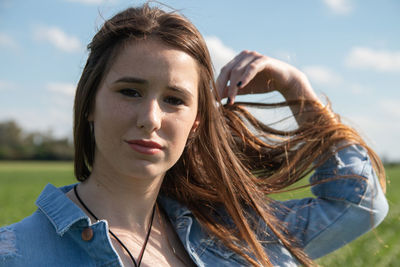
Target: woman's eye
pixel 129 92
pixel 174 101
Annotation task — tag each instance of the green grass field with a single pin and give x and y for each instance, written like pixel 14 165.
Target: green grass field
pixel 22 182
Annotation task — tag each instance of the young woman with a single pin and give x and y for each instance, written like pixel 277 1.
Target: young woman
pixel 171 177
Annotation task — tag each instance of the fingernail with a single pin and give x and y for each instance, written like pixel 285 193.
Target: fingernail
pixel 239 84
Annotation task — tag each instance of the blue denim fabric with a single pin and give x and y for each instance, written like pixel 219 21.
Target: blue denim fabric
pixel 342 210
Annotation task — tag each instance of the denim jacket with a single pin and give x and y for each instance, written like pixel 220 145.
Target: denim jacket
pixel 341 210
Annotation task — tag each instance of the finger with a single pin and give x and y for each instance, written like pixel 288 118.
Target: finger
pixel 221 81
pixel 238 77
pixel 252 69
pixel 237 73
pixel 225 92
pixel 223 77
pixel 232 92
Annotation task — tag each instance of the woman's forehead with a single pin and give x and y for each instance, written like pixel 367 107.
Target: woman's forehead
pixel 153 60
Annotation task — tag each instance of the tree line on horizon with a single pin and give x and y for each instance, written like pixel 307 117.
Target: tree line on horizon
pixel 17 144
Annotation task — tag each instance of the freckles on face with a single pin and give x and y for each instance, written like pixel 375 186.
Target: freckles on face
pixel 150 94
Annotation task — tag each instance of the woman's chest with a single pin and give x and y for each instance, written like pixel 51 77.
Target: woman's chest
pixel 159 251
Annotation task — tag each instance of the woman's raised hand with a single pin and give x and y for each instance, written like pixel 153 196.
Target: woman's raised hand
pixel 252 73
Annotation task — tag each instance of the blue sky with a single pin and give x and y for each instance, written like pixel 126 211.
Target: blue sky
pixel 350 50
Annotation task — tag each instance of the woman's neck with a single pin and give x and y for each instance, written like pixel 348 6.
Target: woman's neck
pixel 125 202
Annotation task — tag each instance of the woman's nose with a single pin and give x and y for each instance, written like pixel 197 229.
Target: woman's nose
pixel 149 116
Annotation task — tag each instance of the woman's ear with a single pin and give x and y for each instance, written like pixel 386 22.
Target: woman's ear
pixel 193 132
pixel 196 124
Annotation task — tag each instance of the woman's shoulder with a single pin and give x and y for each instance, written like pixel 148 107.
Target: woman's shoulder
pixel 20 241
pixel 35 237
pixel 54 211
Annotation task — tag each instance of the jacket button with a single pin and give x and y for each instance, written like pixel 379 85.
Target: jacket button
pixel 87 234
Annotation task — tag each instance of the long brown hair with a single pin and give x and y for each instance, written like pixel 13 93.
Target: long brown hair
pixel 233 161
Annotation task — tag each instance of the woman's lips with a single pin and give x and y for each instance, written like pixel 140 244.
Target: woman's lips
pixel 145 146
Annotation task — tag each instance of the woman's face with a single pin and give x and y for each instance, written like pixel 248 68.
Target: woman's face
pixel 144 110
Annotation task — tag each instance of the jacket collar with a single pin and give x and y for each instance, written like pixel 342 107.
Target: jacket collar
pixel 63 213
pixel 60 210
pixel 173 208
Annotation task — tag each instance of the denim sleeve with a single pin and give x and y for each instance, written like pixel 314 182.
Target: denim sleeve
pixel 343 207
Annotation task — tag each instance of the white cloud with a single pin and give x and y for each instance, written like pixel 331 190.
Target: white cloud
pixel 391 107
pixel 54 114
pixel 58 38
pixel 220 53
pixel 379 60
pixel 59 122
pixel 7 41
pixel 339 6
pixel 322 75
pixel 359 89
pixel 92 2
pixel 60 102
pixel 66 89
pixel 380 131
pixel 6 85
pixel 326 78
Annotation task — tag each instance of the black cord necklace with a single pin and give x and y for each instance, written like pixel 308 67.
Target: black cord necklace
pixel 116 238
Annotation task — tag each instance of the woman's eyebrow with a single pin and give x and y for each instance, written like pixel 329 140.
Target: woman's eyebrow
pixel 181 90
pixel 130 79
